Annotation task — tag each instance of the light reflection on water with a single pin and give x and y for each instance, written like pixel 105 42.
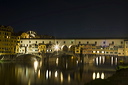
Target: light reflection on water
pixel 35 73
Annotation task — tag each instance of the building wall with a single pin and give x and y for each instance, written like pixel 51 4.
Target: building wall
pixel 126 48
pixel 9 44
pixel 68 42
pixel 107 46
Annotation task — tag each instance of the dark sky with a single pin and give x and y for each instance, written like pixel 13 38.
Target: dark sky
pixel 67 18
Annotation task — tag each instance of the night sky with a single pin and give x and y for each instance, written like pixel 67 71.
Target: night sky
pixel 67 18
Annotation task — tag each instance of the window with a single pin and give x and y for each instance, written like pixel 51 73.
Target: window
pixel 111 48
pixel 43 42
pixel 104 42
pixel 79 42
pixel 21 41
pixel 95 42
pixel 119 53
pixel 107 52
pixel 116 48
pixel 112 42
pixel 64 42
pixel 57 42
pixel 71 42
pixel 111 52
pixel 121 42
pixel 87 42
pixel 115 52
pixel 36 41
pixel 126 42
pixel 49 42
pixel 29 41
pixel 98 51
pixel 94 51
pixel 77 51
pixel 77 47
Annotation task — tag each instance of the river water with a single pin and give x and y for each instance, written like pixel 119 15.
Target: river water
pixel 37 73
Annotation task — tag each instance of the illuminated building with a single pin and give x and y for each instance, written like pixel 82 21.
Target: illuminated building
pixel 42 48
pixel 9 42
pixel 103 46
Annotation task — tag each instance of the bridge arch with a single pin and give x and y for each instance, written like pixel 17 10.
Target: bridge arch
pixel 71 48
pixel 64 48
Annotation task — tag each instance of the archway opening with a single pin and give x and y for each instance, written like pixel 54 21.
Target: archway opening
pixel 64 48
pixel 72 48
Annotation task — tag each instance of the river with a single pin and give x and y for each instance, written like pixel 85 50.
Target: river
pixel 37 73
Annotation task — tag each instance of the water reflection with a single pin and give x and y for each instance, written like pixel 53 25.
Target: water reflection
pixel 98 75
pixel 35 65
pixel 36 73
pixel 99 60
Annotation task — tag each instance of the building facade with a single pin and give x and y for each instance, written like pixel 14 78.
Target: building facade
pixel 89 46
pixel 9 42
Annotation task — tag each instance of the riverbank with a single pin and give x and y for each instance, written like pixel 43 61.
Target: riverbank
pixel 119 78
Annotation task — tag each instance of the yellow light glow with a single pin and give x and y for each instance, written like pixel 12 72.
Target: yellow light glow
pixel 56 47
pixel 69 78
pixel 98 75
pixel 94 76
pixel 102 76
pixel 47 74
pixel 100 60
pixel 35 65
pixel 97 61
pixel 102 51
pixel 39 74
pixel 57 61
pixel 61 77
pixel 56 74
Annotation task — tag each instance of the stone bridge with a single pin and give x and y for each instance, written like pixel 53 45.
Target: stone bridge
pixel 28 57
pixel 101 59
pixel 90 59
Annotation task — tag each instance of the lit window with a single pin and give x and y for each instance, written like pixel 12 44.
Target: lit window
pixel 94 51
pixel 102 51
pixel 98 52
